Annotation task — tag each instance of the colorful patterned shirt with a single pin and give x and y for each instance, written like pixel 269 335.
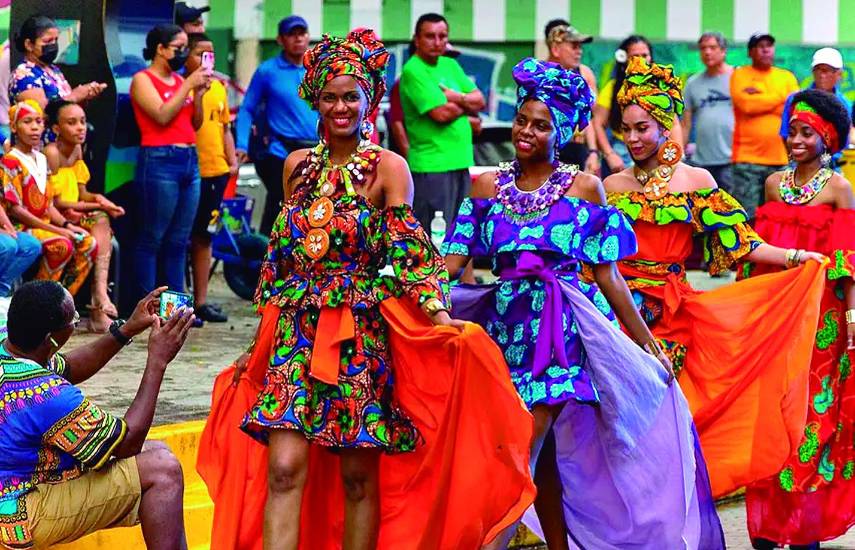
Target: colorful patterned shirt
pixel 50 433
pixel 29 75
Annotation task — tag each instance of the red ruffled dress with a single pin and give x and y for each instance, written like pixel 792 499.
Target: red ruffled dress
pixel 812 497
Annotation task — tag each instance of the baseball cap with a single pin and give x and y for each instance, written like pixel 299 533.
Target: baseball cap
pixel 827 56
pixel 567 33
pixel 757 37
pixel 292 22
pixel 188 14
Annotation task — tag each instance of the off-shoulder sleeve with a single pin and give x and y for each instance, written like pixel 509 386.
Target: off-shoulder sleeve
pixel 417 264
pixel 603 235
pixel 724 223
pixel 11 178
pixel 467 237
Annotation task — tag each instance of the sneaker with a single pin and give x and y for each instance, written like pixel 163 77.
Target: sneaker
pixel 208 313
pixel 763 544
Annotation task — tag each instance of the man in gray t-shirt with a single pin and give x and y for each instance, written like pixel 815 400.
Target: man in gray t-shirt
pixel 709 109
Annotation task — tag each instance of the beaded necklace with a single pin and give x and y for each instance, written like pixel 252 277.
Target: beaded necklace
pixel 325 178
pixel 792 193
pixel 525 206
pixel 327 175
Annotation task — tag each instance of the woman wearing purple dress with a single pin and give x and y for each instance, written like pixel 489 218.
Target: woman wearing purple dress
pixel 612 435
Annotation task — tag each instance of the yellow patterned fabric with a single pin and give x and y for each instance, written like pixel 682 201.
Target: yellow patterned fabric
pixel 654 88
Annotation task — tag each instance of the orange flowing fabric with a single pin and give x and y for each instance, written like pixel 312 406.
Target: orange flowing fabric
pixel 466 483
pixel 745 375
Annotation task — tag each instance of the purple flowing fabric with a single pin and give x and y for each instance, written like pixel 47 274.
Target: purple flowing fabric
pixel 631 467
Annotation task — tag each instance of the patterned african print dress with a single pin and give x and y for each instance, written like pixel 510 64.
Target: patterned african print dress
pixel 739 349
pixel 25 183
pixel 812 497
pixel 624 438
pixel 345 356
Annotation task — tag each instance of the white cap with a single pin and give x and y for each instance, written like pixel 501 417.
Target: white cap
pixel 828 56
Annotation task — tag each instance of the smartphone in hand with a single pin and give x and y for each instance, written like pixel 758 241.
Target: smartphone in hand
pixel 170 301
pixel 208 61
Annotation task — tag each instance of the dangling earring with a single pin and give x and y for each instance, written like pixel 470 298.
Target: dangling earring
pixel 670 152
pixel 366 130
pixel 322 131
pixel 825 159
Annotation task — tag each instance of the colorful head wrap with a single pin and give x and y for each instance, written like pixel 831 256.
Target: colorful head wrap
pixel 654 88
pixel 360 55
pixel 25 107
pixel 564 92
pixel 804 112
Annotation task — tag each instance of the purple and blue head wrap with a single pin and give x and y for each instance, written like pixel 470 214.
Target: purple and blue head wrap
pixel 565 93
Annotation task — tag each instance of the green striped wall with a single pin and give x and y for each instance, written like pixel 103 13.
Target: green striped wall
pixel 791 21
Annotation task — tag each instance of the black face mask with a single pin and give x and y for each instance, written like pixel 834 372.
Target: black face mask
pixel 179 59
pixel 49 53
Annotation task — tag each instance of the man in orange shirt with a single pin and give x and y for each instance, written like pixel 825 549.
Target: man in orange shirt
pixel 759 92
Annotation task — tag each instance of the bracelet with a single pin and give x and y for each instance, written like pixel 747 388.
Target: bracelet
pixel 652 347
pixel 793 257
pixel 433 306
pixel 850 316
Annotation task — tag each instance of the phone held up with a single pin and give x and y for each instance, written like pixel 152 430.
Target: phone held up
pixel 170 301
pixel 208 61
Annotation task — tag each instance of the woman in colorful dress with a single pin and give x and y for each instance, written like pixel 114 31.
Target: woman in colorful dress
pixel 37 78
pixel 419 418
pixel 732 372
pixel 92 211
pixel 67 250
pixel 602 396
pixel 812 498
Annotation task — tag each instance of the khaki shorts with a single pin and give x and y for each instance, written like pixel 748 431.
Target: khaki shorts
pixel 100 499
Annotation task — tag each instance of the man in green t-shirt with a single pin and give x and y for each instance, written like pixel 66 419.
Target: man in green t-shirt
pixel 437 98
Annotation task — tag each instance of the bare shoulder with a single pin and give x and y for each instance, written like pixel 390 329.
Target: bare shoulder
pixel 392 163
pixel 484 186
pixel 588 187
pixel 621 181
pixel 773 180
pixel 295 158
pixel 698 178
pixel 841 189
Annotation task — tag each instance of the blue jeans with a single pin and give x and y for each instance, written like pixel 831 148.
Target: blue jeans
pixel 166 187
pixel 16 256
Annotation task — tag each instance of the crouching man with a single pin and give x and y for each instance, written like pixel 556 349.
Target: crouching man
pixel 67 467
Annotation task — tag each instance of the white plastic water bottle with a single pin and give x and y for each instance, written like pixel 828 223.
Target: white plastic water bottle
pixel 437 229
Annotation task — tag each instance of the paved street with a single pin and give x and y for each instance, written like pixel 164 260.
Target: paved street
pixel 186 390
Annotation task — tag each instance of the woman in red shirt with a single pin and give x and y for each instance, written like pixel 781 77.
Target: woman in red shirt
pixel 168 110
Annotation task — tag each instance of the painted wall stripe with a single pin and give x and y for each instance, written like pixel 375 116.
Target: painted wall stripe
pixel 819 21
pixel 274 12
pixel 519 20
pixel 846 21
pixel 618 19
pixel 750 16
pixel 651 18
pixel 785 20
pixel 222 14
pixel 313 12
pixel 488 20
pixel 684 20
pixel 459 15
pixel 547 10
pixel 336 17
pixel 717 15
pixel 395 25
pixel 366 13
pixel 420 7
pixel 585 16
pixel 249 18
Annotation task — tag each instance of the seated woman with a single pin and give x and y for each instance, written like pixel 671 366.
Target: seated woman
pixel 67 250
pixel 91 211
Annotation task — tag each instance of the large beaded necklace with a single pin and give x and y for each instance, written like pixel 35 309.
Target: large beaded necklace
pixel 793 193
pixel 525 206
pixel 326 178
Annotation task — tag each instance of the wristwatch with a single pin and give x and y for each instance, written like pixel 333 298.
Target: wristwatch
pixel 117 334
